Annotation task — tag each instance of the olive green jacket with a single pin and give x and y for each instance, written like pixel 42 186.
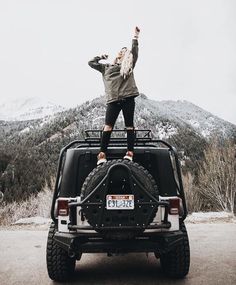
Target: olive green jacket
pixel 116 86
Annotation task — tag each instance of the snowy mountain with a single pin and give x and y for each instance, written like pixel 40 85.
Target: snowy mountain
pixel 164 118
pixel 28 109
pixel 29 149
pixel 184 112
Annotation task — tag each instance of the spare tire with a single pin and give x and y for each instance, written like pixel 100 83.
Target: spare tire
pixel 119 177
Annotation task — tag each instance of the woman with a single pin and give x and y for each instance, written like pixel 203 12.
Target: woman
pixel 120 89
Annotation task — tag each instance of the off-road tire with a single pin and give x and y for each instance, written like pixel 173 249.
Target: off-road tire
pixel 137 170
pixel 100 171
pixel 176 263
pixel 60 266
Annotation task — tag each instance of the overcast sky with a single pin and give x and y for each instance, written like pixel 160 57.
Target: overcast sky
pixel 187 49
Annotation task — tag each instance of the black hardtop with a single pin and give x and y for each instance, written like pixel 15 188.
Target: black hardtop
pixel 79 162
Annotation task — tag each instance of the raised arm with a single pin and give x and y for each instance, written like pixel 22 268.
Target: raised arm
pixel 94 63
pixel 134 49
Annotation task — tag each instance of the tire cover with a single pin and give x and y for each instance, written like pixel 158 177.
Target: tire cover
pixel 138 171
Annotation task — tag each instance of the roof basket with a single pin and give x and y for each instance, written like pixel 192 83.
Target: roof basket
pixel 119 134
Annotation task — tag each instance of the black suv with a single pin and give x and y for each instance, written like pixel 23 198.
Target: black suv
pixel 118 207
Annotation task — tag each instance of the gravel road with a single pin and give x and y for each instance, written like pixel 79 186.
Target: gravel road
pixel 213 260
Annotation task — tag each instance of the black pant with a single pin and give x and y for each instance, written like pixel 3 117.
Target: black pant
pixel 127 106
pixel 113 109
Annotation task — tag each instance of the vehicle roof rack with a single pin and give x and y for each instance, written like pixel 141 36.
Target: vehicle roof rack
pixel 143 137
pixel 92 138
pixel 119 134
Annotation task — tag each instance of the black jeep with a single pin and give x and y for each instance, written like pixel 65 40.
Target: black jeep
pixel 118 207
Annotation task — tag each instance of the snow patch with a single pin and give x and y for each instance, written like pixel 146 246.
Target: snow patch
pixel 25 130
pixel 33 220
pixel 194 123
pixel 165 131
pixel 201 217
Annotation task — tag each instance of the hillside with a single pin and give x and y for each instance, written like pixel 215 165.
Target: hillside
pixel 29 149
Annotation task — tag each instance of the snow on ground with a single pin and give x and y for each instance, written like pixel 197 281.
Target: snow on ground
pixel 25 130
pixel 208 217
pixel 197 217
pixel 165 131
pixel 33 221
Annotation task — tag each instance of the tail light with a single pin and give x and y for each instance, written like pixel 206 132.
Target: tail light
pixel 174 206
pixel 62 208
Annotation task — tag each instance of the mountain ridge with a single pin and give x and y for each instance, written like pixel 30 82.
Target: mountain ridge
pixel 29 149
pixel 28 108
pixel 175 114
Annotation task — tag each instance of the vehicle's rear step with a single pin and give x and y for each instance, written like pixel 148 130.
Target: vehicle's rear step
pixel 166 225
pixel 95 244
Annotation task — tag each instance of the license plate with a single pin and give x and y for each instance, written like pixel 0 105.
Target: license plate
pixel 120 202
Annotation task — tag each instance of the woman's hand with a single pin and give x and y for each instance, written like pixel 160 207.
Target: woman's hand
pixel 136 32
pixel 137 29
pixel 104 56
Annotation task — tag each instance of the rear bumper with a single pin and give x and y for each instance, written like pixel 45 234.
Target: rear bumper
pixel 77 244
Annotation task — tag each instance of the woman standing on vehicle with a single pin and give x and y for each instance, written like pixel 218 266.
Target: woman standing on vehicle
pixel 120 89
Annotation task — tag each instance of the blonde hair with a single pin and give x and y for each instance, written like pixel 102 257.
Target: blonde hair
pixel 126 64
